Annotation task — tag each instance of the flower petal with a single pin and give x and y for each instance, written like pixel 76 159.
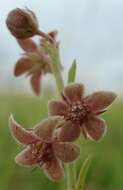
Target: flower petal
pixel 23 65
pixel 100 100
pixel 22 135
pixel 54 170
pixel 57 108
pixel 95 127
pixel 45 129
pixel 36 82
pixel 67 152
pixel 25 157
pixel 68 132
pixel 53 34
pixel 28 45
pixel 74 92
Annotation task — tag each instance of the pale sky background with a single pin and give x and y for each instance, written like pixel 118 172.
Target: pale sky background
pixel 89 30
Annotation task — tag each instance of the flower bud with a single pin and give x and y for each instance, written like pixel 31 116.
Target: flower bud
pixel 22 23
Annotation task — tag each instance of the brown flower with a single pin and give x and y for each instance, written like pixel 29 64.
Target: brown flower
pixel 22 23
pixel 81 113
pixel 35 62
pixel 43 150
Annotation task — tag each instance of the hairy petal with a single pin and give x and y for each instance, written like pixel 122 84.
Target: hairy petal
pixel 25 157
pixel 22 135
pixel 45 128
pixel 53 34
pixel 68 132
pixel 74 92
pixel 36 82
pixel 95 127
pixel 65 151
pixel 23 65
pixel 100 100
pixel 57 108
pixel 28 45
pixel 54 170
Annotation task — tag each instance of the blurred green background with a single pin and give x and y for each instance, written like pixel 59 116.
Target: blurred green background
pixel 106 171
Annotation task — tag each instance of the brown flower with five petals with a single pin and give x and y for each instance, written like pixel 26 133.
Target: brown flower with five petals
pixel 81 113
pixel 43 150
pixel 35 62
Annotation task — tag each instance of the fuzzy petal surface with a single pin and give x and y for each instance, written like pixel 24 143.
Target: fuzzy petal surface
pixel 45 128
pixel 65 151
pixel 36 82
pixel 95 128
pixel 74 92
pixel 28 45
pixel 57 108
pixel 22 135
pixel 54 170
pixel 25 157
pixel 68 132
pixel 100 100
pixel 22 66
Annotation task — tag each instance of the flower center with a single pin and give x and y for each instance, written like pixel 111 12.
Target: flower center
pixel 77 112
pixel 42 152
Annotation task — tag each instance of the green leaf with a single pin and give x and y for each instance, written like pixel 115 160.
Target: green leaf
pixel 72 72
pixel 83 173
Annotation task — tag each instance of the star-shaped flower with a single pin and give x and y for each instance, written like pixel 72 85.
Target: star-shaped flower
pixel 35 62
pixel 42 149
pixel 81 113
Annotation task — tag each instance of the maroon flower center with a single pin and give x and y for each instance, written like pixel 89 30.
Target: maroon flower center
pixel 42 152
pixel 77 112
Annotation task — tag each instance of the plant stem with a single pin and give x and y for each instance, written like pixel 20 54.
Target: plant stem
pixel 71 176
pixel 44 35
pixel 56 65
pixel 56 70
pixel 71 168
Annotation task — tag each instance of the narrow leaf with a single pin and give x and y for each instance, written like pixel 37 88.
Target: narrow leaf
pixel 83 173
pixel 72 72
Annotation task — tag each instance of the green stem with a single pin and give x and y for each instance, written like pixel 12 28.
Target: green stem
pixel 56 65
pixel 71 176
pixel 56 68
pixel 71 168
pixel 57 73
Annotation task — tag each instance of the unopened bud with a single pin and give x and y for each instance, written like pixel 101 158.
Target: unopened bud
pixel 22 23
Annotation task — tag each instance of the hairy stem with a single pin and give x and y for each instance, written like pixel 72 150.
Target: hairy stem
pixel 71 176
pixel 56 69
pixel 57 73
pixel 71 168
pixel 55 65
pixel 44 35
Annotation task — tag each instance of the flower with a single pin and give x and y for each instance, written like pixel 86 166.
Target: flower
pixel 35 62
pixel 53 35
pixel 43 149
pixel 81 113
pixel 22 23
